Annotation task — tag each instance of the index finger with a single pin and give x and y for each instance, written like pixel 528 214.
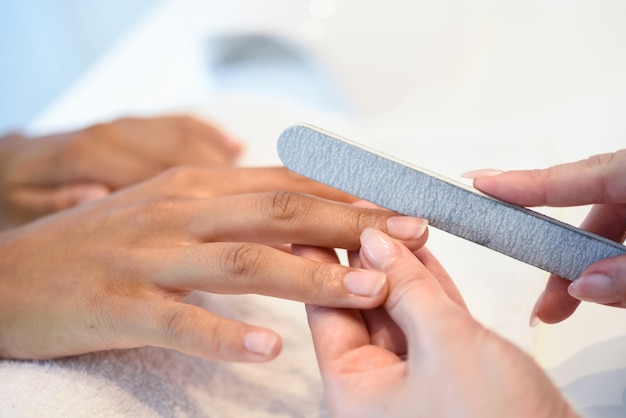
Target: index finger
pixel 202 183
pixel 597 179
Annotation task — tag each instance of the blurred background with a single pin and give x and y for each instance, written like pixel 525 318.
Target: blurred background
pixel 47 45
pixel 450 85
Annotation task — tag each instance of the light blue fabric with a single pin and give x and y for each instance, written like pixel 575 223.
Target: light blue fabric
pixel 44 45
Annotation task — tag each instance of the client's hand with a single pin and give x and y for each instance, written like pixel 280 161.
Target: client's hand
pixel 423 355
pixel 43 175
pixel 114 273
pixel 599 180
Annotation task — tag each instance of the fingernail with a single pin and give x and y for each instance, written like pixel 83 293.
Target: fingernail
pixel 596 287
pixel 534 315
pixel 263 343
pixel 406 227
pixel 91 194
pixel 483 172
pixel 377 248
pixel 364 282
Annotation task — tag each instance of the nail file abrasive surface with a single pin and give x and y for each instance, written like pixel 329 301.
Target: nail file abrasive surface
pixel 518 232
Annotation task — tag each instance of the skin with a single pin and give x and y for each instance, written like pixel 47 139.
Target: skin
pixel 46 174
pixel 422 354
pixel 115 272
pixel 599 180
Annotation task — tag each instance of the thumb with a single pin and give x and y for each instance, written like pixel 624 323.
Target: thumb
pixel 603 282
pixel 417 301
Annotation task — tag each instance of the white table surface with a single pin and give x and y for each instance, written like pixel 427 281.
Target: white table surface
pixel 451 86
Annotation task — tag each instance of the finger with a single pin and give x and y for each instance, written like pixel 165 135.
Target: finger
pixel 557 303
pixel 130 150
pixel 113 162
pixel 237 268
pixel 211 135
pixel 607 220
pixel 342 343
pixel 172 140
pixel 598 179
pixel 197 332
pixel 319 254
pixel 353 259
pixel 434 266
pixel 287 217
pixel 383 332
pixel 35 202
pixel 202 182
pixel 410 242
pixel 603 282
pixel 430 262
pixel 416 302
pixel 333 345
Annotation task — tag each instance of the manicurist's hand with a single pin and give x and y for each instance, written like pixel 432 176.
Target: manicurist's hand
pixel 114 273
pixel 422 354
pixel 46 174
pixel 598 180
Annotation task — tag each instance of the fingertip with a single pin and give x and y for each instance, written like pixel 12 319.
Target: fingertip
pixel 263 344
pixel 407 228
pixel 195 331
pixel 366 283
pixel 377 248
pixel 595 287
pixel 481 173
pixel 556 304
pixel 534 315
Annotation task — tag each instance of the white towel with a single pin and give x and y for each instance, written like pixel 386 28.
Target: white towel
pixel 150 381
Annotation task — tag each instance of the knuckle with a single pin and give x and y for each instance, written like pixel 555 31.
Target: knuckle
pixel 361 221
pixel 181 177
pixel 183 328
pixel 184 127
pixel 216 340
pixel 602 161
pixel 370 218
pixel 542 177
pixel 285 205
pixel 176 325
pixel 155 210
pixel 242 259
pixel 325 282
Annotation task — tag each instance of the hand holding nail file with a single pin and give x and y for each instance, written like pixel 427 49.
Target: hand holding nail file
pixel 518 232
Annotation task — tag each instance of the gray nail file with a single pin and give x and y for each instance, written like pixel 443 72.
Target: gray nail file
pixel 453 207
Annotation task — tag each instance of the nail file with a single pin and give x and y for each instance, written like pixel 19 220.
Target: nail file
pixel 518 232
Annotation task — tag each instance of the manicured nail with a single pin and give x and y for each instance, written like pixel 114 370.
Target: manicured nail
pixel 365 282
pixel 406 227
pixel 534 315
pixel 596 287
pixel 377 248
pixel 263 343
pixel 484 172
